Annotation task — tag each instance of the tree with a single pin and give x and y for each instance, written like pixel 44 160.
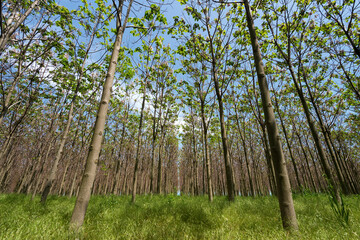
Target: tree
pixel 200 90
pixel 83 198
pixel 79 80
pixel 151 58
pixel 282 179
pixel 17 14
pixel 212 47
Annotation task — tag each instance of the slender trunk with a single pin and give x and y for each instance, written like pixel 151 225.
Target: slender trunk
pixel 219 96
pixel 195 158
pixel 39 174
pixel 119 163
pixel 124 183
pixel 62 183
pixel 160 164
pixel 315 135
pixel 106 184
pixel 248 167
pixel 242 137
pixel 52 176
pixel 7 163
pixel 317 171
pixel 270 165
pixel 161 144
pixel 287 139
pixel 138 147
pixel 253 170
pixel 87 181
pixel 347 168
pixel 282 179
pixel 10 91
pixel 228 170
pixel 243 189
pixel 206 153
pixel 264 139
pixel 154 135
pixel 306 158
pixel 327 138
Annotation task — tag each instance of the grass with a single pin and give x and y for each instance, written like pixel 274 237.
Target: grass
pixel 174 217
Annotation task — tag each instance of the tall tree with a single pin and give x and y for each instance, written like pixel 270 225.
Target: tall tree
pixel 282 179
pixel 70 116
pixel 211 45
pixel 87 182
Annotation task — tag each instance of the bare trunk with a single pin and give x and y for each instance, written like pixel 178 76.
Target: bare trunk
pixel 282 179
pixel 138 147
pixel 160 165
pixel 154 135
pixel 195 159
pixel 57 159
pixel 206 155
pixel 59 154
pixel 87 181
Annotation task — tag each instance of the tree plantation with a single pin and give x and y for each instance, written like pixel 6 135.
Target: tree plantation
pixel 180 119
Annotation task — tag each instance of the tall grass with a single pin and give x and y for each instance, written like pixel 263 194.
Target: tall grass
pixel 174 217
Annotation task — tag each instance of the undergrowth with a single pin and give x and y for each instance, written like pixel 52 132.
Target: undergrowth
pixel 174 217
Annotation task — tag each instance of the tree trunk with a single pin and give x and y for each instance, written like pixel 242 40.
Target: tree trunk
pixel 206 153
pixel 282 179
pixel 87 181
pixel 154 135
pixel 160 163
pixel 119 163
pixel 314 132
pixel 228 170
pixel 195 157
pixel 138 147
pixel 327 137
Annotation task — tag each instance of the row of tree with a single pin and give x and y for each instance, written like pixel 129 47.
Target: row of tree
pixel 229 99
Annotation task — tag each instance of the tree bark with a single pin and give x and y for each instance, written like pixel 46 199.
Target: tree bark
pixel 287 139
pixel 282 179
pixel 87 181
pixel 206 152
pixel 138 147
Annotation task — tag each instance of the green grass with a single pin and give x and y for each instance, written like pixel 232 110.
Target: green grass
pixel 174 217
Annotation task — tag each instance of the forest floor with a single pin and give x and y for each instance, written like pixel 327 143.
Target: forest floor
pixel 175 217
